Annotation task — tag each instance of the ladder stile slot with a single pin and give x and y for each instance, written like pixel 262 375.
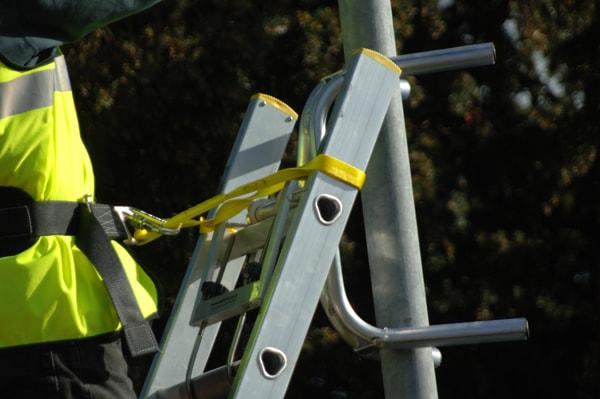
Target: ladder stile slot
pixel 328 208
pixel 272 362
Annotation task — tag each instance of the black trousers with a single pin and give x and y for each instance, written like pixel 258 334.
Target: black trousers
pixel 89 369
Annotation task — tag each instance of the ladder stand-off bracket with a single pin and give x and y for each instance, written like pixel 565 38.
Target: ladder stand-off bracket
pixel 294 247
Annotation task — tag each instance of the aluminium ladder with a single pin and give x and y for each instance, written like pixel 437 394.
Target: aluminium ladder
pixel 302 265
pixel 280 262
pixel 256 153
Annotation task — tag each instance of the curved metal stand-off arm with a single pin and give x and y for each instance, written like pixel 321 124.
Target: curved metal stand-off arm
pixel 359 334
pixel 362 335
pixel 314 116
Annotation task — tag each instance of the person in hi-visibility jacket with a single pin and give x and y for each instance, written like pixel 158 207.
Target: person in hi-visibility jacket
pixel 59 324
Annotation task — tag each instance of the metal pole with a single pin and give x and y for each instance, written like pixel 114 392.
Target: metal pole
pixel 390 220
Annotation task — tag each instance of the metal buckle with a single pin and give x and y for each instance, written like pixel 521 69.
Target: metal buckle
pixel 138 219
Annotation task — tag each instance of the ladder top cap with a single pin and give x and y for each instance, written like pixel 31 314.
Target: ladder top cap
pixel 380 58
pixel 277 103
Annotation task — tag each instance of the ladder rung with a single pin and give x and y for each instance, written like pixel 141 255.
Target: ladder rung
pixel 451 334
pixel 213 384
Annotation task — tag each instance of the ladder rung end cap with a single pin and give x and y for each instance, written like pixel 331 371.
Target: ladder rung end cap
pixel 380 58
pixel 277 103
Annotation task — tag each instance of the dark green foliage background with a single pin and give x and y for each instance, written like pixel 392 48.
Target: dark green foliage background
pixel 507 191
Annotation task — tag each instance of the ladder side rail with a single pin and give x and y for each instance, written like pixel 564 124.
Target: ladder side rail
pixel 265 130
pixel 310 245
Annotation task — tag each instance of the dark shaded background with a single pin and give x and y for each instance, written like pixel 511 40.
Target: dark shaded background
pixel 504 162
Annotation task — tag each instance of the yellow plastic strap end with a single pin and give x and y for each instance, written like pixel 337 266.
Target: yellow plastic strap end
pixel 277 103
pixel 380 58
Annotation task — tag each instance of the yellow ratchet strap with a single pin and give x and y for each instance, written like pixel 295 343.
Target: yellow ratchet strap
pixel 240 198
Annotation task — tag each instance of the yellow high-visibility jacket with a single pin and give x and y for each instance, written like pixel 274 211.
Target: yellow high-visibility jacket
pixel 50 291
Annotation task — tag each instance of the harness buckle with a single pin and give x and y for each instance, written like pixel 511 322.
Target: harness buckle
pixel 136 219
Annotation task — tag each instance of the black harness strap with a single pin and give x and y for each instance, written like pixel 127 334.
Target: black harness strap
pixel 15 221
pixel 94 243
pixel 93 226
pixel 48 218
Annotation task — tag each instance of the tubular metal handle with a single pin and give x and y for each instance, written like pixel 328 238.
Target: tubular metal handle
pixel 448 59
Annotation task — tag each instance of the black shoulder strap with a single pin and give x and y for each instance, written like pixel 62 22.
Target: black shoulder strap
pixel 94 243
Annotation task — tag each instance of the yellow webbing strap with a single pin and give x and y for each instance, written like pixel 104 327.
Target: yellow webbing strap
pixel 240 198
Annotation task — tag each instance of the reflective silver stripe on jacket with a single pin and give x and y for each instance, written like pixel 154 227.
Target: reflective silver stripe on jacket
pixel 33 91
